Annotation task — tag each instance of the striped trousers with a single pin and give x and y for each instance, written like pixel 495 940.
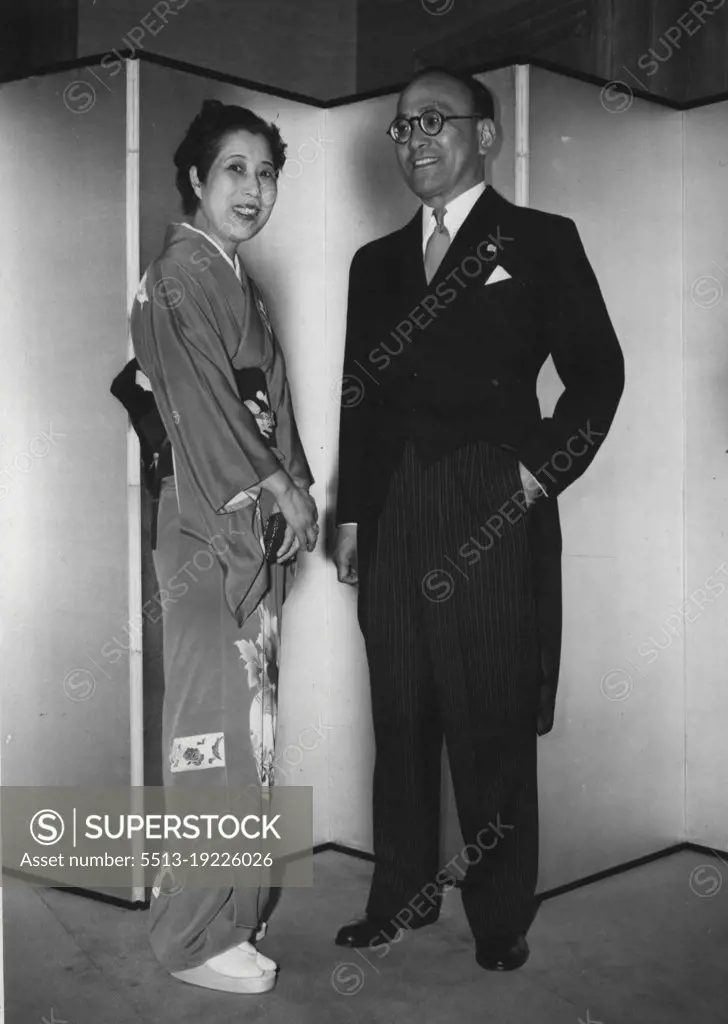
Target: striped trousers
pixel 448 614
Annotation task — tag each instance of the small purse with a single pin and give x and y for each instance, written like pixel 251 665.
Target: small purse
pixel 275 531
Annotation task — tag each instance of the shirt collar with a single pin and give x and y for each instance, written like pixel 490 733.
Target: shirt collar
pixel 234 263
pixel 456 213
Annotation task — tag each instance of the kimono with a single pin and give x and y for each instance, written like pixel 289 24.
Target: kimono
pixel 204 342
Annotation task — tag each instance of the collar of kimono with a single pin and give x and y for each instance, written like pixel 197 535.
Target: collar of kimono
pixel 235 264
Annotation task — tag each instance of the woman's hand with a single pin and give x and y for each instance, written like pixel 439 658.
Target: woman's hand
pixel 300 512
pixel 302 529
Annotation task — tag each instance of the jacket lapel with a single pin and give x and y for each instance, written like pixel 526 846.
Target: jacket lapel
pixel 410 259
pixel 482 225
pixel 488 223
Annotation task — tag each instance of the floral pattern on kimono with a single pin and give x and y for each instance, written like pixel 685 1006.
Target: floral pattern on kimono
pixel 261 664
pixel 265 419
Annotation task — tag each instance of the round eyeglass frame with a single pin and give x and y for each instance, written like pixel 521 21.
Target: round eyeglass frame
pixel 440 121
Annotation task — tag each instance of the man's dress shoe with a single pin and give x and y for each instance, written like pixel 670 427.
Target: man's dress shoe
pixel 376 931
pixel 504 953
pixel 367 931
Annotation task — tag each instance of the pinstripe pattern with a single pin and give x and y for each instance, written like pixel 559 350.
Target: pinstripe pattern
pixel 454 658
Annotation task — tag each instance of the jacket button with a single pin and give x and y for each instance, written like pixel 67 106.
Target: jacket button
pixel 495 382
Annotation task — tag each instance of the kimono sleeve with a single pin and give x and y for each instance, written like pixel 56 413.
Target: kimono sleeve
pixel 214 436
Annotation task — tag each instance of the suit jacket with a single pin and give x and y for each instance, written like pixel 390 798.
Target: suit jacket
pixel 457 360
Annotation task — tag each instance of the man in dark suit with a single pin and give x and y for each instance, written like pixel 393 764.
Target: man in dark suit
pixel 447 512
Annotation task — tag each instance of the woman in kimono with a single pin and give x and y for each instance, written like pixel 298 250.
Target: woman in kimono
pixel 203 339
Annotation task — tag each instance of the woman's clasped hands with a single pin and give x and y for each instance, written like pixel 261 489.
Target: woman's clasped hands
pixel 299 510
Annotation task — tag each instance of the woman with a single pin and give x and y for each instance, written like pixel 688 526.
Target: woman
pixel 203 339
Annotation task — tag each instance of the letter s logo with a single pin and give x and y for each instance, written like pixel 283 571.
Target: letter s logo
pixel 47 827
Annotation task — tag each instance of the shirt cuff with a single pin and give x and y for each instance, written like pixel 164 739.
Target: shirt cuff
pixel 538 483
pixel 346 524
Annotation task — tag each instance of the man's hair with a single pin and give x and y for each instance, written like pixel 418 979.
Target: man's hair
pixel 483 104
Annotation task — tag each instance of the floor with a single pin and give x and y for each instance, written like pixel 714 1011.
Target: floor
pixel 648 945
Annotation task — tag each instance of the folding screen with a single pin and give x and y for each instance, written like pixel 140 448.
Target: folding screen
pixel 340 188
pixel 287 260
pixel 704 618
pixel 597 810
pixel 63 494
pixel 366 198
pixel 611 774
pixel 612 771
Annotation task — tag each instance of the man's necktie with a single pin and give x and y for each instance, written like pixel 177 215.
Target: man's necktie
pixel 437 245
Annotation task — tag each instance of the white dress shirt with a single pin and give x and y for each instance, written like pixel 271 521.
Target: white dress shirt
pixel 456 213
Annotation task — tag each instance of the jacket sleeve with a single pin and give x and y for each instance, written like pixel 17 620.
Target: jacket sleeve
pixel 588 358
pixel 180 348
pixel 356 416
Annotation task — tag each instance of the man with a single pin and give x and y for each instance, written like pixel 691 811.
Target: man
pixel 448 479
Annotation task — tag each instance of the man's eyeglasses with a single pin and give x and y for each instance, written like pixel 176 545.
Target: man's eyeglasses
pixel 430 121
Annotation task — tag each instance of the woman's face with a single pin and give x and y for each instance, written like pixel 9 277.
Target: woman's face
pixel 240 192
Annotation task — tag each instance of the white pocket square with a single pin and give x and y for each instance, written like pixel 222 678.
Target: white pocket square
pixel 499 274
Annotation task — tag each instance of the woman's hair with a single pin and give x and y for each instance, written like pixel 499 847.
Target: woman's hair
pixel 205 137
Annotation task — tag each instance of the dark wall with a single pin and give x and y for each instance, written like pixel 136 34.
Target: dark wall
pixel 328 49
pixel 303 47
pixel 704 60
pixel 34 33
pixel 669 48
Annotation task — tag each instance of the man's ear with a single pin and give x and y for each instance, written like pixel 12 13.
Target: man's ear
pixel 486 135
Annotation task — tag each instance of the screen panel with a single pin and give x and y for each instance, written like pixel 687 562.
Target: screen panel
pixel 287 261
pixel 611 773
pixel 365 199
pixel 63 504
pixel 704 619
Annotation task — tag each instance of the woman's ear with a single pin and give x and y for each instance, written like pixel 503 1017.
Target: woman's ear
pixel 195 182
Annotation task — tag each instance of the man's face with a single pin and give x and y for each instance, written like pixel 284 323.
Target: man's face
pixel 438 168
